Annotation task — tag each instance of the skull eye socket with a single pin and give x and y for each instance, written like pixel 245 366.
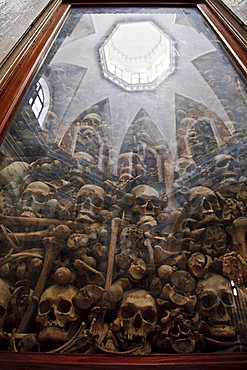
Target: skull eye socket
pixel 128 312
pixel 149 315
pixel 212 199
pixel 2 311
pixel 41 198
pixel 155 202
pixel 141 201
pixel 81 199
pixel 223 163
pixel 227 299
pixel 208 301
pixel 64 306
pixel 96 202
pixel 190 168
pixel 195 202
pixel 27 196
pixel 45 306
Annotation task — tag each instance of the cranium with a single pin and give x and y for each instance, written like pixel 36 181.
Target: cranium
pixel 196 264
pixel 90 200
pixel 34 198
pixel 201 137
pixel 125 161
pixel 137 314
pixel 204 205
pixel 184 167
pixel 226 168
pixel 13 172
pixel 56 313
pixel 137 270
pixel 146 201
pixel 92 119
pixel 5 297
pixel 216 305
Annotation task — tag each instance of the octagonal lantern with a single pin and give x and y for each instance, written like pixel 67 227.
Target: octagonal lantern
pixel 137 56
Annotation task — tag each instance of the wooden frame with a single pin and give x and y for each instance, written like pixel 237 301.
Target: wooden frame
pixel 14 79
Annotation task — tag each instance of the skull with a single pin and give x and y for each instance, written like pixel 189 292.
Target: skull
pixel 137 314
pixel 56 313
pixel 146 201
pixel 196 264
pixel 5 297
pixel 204 205
pixel 216 304
pixel 90 200
pixel 34 198
pixel 184 167
pixel 92 120
pixel 137 270
pixel 125 162
pixel 226 168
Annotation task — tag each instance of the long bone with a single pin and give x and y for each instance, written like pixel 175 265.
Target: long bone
pixel 34 235
pixel 10 221
pixel 53 246
pixel 238 231
pixel 82 266
pixel 30 253
pixel 116 222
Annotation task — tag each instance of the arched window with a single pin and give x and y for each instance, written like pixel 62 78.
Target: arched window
pixel 40 100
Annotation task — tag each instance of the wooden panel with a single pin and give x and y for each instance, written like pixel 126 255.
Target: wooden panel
pixel 19 361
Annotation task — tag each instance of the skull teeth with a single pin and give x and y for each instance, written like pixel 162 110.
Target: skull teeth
pixel 54 323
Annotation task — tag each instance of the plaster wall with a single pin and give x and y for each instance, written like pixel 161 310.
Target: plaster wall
pixel 16 16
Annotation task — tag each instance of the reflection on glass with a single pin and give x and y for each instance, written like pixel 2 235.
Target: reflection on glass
pixel 123 192
pixel 40 100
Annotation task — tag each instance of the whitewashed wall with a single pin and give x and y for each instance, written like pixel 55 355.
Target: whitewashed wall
pixel 238 7
pixel 15 18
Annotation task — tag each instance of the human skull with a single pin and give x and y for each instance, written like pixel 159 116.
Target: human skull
pixel 13 172
pixel 226 168
pixel 56 313
pixel 216 305
pixel 125 162
pixel 196 264
pixel 137 270
pixel 5 297
pixel 137 314
pixel 204 205
pixel 90 200
pixel 92 120
pixel 34 198
pixel 184 167
pixel 146 200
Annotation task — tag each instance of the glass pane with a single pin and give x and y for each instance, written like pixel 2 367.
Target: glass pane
pixel 124 207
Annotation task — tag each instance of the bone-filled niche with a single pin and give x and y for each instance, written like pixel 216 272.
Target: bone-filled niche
pixel 123 215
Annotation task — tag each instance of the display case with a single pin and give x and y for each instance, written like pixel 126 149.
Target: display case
pixel 123 174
